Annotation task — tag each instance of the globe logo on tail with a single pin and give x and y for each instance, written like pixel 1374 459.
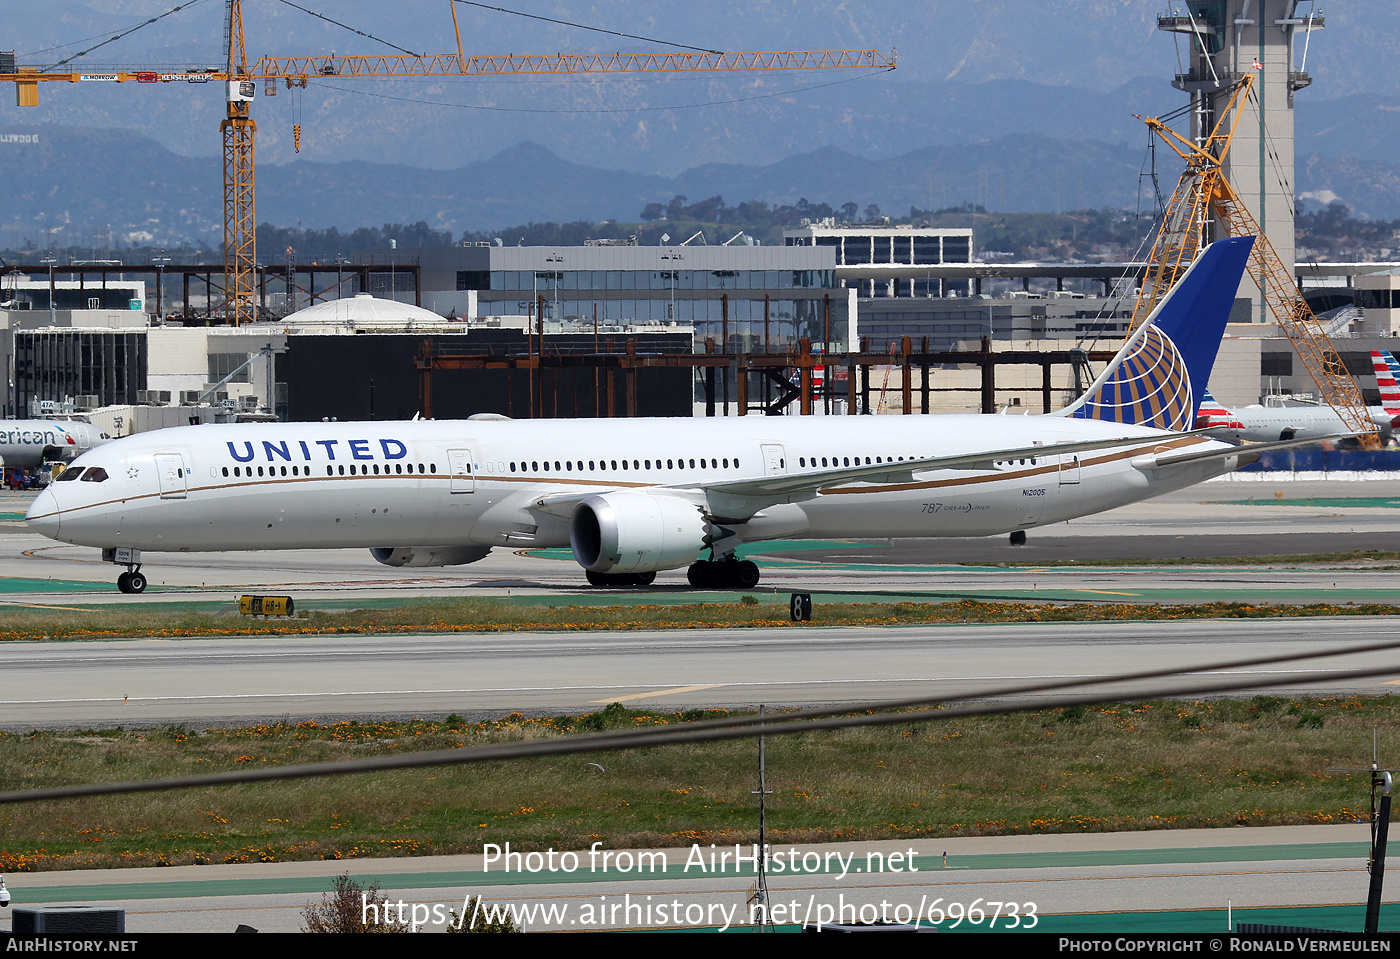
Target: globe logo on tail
pixel 1149 387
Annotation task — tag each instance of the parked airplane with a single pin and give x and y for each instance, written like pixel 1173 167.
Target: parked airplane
pixel 28 444
pixel 634 496
pixel 1262 424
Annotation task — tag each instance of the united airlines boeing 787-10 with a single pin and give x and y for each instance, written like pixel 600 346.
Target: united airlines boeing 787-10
pixel 634 496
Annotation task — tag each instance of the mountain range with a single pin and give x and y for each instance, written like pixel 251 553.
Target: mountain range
pixel 1020 105
pixel 67 183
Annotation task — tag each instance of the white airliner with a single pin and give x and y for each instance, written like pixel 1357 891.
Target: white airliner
pixel 634 496
pixel 1266 423
pixel 28 444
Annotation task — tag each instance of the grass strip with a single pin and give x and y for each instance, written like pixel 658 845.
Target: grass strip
pixel 1124 766
pixel 492 616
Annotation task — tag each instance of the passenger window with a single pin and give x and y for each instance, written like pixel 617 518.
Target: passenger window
pixel 225 473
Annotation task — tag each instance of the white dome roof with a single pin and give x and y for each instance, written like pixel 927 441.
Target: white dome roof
pixel 363 310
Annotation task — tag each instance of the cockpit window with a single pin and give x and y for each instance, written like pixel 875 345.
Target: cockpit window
pixel 95 474
pixel 72 473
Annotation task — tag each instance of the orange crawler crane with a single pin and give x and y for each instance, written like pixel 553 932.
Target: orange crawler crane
pixel 1203 192
pixel 240 79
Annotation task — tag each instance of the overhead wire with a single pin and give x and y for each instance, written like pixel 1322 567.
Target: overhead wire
pixel 802 720
pixel 584 26
pixel 370 36
pixel 128 32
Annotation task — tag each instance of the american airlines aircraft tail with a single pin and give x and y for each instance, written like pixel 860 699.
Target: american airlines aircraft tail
pixel 631 497
pixel 1387 369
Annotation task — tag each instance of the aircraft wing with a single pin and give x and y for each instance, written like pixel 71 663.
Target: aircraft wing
pixel 1249 452
pixel 808 484
pixel 739 499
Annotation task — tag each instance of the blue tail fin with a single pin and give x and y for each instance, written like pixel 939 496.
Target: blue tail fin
pixel 1159 376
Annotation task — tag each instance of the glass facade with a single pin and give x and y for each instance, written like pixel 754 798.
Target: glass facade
pixel 546 282
pixel 682 297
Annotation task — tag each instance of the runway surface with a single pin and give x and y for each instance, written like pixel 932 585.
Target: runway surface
pixel 478 675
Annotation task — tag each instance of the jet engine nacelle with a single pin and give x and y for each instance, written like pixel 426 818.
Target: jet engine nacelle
pixel 429 555
pixel 635 532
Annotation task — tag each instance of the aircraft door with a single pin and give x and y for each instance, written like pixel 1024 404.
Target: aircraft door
pixel 170 471
pixel 1069 469
pixel 774 460
pixel 463 466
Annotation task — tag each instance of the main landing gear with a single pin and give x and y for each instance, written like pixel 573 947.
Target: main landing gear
pixel 132 581
pixel 723 574
pixel 619 579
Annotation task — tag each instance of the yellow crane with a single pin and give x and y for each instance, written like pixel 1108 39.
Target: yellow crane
pixel 240 78
pixel 1203 192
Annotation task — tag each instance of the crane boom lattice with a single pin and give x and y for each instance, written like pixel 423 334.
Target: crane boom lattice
pixel 1203 193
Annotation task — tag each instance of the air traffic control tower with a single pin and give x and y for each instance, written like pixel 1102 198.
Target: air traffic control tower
pixel 1227 39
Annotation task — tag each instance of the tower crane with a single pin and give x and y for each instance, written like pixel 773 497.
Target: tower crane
pixel 240 78
pixel 1203 193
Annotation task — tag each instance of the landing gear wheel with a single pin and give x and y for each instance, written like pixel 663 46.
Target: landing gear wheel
pixel 124 582
pixel 699 575
pixel 745 575
pixel 1018 538
pixel 645 579
pixel 596 579
pixel 135 582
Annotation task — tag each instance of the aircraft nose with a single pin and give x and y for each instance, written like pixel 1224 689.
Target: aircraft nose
pixel 43 516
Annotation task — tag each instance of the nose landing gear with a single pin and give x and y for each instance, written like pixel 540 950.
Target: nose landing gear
pixel 132 581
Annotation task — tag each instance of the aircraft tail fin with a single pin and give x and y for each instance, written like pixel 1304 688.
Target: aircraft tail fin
pixel 1385 366
pixel 1159 376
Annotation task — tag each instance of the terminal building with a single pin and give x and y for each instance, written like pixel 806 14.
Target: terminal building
pixel 844 288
